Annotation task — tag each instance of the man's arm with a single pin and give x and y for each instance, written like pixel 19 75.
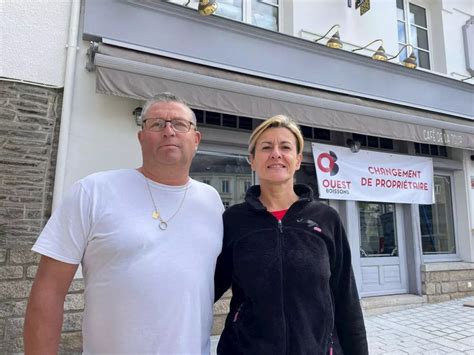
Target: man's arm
pixel 44 313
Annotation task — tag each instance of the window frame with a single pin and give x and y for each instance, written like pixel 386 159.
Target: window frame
pixel 395 227
pixel 202 119
pixel 434 258
pixel 247 12
pixel 430 148
pixel 364 142
pixel 407 23
pixel 225 186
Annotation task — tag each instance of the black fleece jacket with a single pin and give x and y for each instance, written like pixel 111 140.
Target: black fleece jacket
pixel 293 287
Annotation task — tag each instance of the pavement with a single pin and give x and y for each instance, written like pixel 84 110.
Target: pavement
pixel 431 329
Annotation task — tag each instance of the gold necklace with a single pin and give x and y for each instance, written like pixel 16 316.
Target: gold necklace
pixel 156 214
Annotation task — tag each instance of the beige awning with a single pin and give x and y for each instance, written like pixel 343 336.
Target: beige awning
pixel 128 73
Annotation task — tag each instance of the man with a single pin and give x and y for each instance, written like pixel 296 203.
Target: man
pixel 148 240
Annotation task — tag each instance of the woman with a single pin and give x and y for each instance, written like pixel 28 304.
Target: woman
pixel 288 261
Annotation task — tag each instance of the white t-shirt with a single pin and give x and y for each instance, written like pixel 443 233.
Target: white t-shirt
pixel 147 291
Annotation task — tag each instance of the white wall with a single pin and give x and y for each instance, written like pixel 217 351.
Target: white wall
pixel 33 40
pixel 455 15
pixel 445 21
pixel 103 132
pixel 319 15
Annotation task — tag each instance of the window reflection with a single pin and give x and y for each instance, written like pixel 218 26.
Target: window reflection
pixel 418 15
pixel 378 234
pixel 231 9
pixel 400 12
pixel 422 38
pixel 261 13
pixel 436 221
pixel 401 32
pixel 230 175
pixel 264 15
pixel 423 59
pixel 307 175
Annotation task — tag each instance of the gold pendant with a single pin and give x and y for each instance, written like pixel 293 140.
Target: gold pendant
pixel 155 215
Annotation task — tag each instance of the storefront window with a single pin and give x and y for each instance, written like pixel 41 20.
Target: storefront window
pixel 378 233
pixel 230 175
pixel 436 221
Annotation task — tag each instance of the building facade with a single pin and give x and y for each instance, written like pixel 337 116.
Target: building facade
pixel 250 61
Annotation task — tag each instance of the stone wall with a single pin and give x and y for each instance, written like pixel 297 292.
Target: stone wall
pixel 221 309
pixel 446 281
pixel 29 127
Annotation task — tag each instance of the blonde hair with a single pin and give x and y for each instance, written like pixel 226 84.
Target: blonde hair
pixel 278 121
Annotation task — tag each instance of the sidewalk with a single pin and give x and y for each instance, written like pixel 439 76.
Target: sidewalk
pixel 442 328
pixel 432 329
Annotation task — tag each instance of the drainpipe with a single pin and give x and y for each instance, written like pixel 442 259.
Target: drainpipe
pixel 72 48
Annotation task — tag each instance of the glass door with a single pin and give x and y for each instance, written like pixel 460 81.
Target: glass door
pixel 382 259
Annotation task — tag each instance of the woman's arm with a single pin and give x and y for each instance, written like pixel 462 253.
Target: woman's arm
pixel 223 274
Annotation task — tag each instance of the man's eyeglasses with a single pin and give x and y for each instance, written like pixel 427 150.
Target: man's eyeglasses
pixel 159 124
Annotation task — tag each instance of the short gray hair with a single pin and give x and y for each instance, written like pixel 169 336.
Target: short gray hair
pixel 167 97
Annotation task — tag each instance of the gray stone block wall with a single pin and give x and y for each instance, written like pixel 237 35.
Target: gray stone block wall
pixel 29 127
pixel 446 281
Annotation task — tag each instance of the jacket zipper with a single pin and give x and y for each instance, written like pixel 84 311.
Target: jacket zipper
pixel 333 309
pixel 285 325
pixel 236 315
pixel 331 345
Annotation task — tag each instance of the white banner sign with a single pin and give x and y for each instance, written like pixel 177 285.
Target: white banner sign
pixel 372 176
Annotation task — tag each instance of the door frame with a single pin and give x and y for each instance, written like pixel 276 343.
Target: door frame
pixel 352 211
